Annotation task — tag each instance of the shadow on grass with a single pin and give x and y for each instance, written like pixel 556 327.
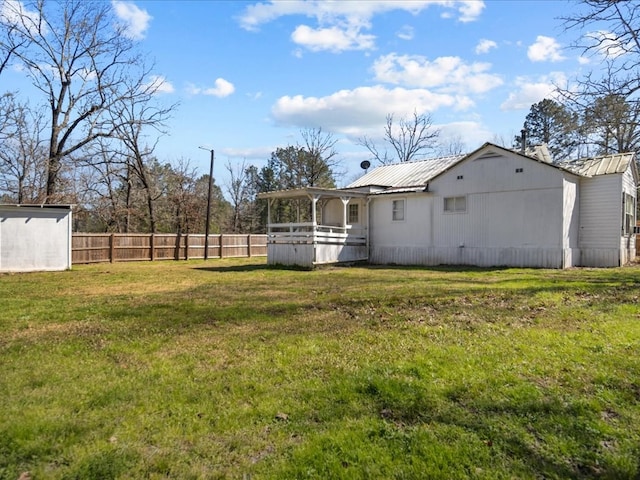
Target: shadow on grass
pixel 233 268
pixel 251 268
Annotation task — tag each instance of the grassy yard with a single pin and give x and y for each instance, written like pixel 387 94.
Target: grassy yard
pixel 231 369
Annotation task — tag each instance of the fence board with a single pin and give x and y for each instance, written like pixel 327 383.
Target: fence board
pixel 126 247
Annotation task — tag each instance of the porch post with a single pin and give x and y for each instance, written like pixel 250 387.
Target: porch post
pixel 269 202
pixel 345 202
pixel 314 203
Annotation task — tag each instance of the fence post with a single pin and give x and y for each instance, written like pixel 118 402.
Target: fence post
pixel 111 248
pixel 221 244
pixel 249 245
pixel 176 250
pixel 153 248
pixel 186 247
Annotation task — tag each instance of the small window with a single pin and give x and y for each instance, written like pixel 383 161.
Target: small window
pixel 398 210
pixel 455 204
pixel 354 213
pixel 628 214
pixel 460 177
pixel 519 170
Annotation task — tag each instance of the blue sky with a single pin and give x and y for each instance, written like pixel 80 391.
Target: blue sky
pixel 250 75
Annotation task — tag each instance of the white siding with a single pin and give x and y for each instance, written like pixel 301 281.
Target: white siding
pixel 600 221
pixel 530 218
pixel 333 212
pixel 290 254
pixel 513 218
pixel 413 231
pixel 497 174
pixel 482 257
pixel 340 253
pixel 33 238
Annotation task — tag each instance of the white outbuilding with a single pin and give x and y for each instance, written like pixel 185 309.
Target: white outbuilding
pixel 492 207
pixel 35 237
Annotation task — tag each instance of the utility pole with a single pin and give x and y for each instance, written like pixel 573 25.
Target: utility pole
pixel 206 226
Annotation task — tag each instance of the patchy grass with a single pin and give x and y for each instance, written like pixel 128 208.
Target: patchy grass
pixel 231 369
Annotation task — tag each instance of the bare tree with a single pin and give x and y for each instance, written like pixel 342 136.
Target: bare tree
pixel 23 151
pixel 182 196
pixel 9 41
pixel 238 191
pixel 79 57
pixel 613 124
pixel 322 159
pixel 613 33
pixel 131 117
pixel 454 146
pixel 409 139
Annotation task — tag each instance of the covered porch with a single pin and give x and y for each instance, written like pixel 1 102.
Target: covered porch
pixel 333 227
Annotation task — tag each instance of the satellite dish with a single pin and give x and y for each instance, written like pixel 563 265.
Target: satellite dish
pixel 365 164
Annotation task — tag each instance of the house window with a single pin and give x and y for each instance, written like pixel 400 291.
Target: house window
pixel 455 204
pixel 460 177
pixel 519 170
pixel 628 214
pixel 398 210
pixel 353 214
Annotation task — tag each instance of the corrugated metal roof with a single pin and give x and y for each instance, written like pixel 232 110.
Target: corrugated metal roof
pixel 406 174
pixel 604 165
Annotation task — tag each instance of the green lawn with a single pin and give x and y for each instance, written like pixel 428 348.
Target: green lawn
pixel 232 369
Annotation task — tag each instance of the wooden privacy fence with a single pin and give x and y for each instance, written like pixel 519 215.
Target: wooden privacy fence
pixel 124 247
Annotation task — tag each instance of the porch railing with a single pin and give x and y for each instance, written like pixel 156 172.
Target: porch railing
pixel 308 233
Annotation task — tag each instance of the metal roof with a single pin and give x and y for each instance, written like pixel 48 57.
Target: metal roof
pixel 406 174
pixel 307 192
pixel 604 165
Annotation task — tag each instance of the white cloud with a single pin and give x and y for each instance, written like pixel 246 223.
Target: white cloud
pixel 470 10
pixel 362 110
pixel 530 92
pixel 449 74
pixel 485 45
pixel 256 153
pixel 340 24
pixel 160 84
pixel 334 39
pixel 135 20
pixel 13 12
pixel 471 133
pixel 406 33
pixel 545 49
pixel 222 88
pixel 607 44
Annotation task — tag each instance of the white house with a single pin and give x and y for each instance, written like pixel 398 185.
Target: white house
pixel 35 237
pixel 492 207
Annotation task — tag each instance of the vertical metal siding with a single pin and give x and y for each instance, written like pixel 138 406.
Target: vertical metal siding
pixel 600 212
pixel 33 239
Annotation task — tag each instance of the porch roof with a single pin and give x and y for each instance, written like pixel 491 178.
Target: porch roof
pixel 310 192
